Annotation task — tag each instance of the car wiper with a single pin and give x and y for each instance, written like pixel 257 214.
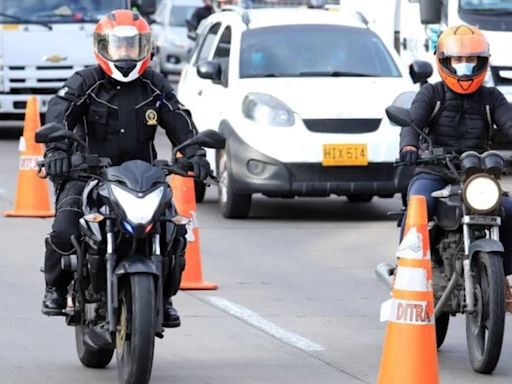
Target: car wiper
pixel 334 74
pixel 23 20
pixel 489 11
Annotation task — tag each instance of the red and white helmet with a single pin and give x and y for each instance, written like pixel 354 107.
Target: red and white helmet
pixel 122 44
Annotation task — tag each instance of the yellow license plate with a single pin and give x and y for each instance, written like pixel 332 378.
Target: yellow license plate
pixel 344 154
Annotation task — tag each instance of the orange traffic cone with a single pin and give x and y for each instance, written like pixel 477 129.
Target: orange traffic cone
pixel 410 352
pixel 32 197
pixel 185 200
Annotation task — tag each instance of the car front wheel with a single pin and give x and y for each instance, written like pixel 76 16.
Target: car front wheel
pixel 232 205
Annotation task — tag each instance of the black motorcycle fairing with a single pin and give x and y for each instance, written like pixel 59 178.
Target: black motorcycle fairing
pixel 136 175
pixel 136 264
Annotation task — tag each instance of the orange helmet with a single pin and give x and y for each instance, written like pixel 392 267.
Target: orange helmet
pixel 462 41
pixel 122 44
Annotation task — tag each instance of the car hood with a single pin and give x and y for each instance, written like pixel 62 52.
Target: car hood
pixel 332 97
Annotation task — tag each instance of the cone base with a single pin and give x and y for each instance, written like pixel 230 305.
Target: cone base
pixel 29 214
pixel 198 285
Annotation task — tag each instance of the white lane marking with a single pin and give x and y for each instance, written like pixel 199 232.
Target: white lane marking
pixel 266 326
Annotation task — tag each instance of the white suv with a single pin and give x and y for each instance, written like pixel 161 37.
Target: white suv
pixel 300 96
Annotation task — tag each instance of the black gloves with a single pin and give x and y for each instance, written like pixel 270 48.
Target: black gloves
pixel 409 156
pixel 200 166
pixel 56 163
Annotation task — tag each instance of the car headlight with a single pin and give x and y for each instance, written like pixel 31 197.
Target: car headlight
pixel 482 193
pixel 139 210
pixel 269 110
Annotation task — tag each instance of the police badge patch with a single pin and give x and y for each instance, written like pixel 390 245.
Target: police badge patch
pixel 151 117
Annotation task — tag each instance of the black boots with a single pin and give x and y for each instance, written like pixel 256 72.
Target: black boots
pixel 171 317
pixel 54 302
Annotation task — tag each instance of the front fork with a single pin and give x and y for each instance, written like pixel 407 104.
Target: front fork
pixel 468 279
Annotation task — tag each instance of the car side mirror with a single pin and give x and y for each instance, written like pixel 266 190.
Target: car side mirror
pixel 209 70
pixel 420 71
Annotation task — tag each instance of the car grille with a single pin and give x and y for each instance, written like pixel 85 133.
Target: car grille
pixel 342 125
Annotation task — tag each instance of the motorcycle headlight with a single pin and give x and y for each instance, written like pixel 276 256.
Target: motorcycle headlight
pixel 269 110
pixel 482 193
pixel 139 210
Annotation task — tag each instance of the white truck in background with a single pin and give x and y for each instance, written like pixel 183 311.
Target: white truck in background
pixel 42 43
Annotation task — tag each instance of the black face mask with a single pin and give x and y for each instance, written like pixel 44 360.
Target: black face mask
pixel 125 67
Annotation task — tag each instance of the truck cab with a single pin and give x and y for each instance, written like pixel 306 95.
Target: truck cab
pixel 42 43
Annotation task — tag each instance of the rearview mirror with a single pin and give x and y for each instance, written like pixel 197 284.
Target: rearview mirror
pixel 420 71
pixel 430 11
pixel 398 115
pixel 210 139
pixel 50 133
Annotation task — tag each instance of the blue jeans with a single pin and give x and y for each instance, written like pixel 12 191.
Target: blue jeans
pixel 424 184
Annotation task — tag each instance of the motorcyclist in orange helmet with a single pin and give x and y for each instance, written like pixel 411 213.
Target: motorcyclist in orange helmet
pixel 464 120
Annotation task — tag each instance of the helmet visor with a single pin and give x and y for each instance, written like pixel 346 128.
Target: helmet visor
pixel 123 43
pixel 464 46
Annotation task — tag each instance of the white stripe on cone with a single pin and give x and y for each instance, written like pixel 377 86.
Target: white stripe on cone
pixel 405 312
pixel 411 246
pixel 411 279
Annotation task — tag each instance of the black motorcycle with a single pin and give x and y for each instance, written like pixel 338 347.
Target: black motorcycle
pixel 466 252
pixel 115 301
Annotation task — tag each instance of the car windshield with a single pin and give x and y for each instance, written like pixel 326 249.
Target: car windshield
pixel 180 13
pixel 56 11
pixel 486 5
pixel 314 50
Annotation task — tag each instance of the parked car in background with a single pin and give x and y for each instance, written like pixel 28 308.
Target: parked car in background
pixel 170 34
pixel 300 96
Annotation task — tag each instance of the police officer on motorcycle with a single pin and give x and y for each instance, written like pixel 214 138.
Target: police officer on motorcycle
pixel 116 106
pixel 459 114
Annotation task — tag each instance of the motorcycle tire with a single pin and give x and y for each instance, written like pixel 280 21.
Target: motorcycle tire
pixel 135 336
pixel 485 327
pixel 91 358
pixel 442 323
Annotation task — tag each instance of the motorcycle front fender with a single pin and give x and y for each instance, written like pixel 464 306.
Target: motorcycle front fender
pixel 485 245
pixel 136 264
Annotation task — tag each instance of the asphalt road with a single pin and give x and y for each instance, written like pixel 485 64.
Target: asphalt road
pixel 297 300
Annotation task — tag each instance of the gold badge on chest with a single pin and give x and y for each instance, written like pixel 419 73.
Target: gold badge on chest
pixel 151 117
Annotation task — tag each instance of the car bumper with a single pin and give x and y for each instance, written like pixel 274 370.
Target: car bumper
pixel 254 172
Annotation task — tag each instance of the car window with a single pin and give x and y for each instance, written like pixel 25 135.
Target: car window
pixel 179 15
pixel 207 44
pixel 314 50
pixel 221 54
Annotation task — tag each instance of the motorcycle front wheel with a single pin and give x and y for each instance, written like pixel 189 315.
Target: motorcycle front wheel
pixel 485 327
pixel 135 336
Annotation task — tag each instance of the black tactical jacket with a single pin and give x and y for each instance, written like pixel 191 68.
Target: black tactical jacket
pixel 119 120
pixel 462 122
